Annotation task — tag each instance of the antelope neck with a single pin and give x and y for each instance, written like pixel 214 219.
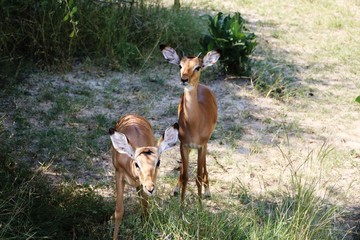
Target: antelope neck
pixel 191 101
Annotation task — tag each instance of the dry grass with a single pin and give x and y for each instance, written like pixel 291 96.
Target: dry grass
pixel 263 150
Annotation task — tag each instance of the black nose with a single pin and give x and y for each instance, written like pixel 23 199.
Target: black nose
pixel 184 81
pixel 151 189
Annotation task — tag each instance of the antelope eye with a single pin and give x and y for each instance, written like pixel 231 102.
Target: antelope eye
pixel 158 163
pixel 136 165
pixel 180 66
pixel 197 68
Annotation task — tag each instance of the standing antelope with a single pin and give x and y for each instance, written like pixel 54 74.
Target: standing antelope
pixel 197 112
pixel 136 159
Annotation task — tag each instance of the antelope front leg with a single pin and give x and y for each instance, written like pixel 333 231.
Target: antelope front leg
pixel 205 175
pixel 199 177
pixel 184 172
pixel 207 193
pixel 202 174
pixel 119 209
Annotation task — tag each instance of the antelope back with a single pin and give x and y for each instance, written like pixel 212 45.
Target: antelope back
pixel 137 130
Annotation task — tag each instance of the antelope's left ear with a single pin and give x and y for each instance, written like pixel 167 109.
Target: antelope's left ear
pixel 210 58
pixel 169 139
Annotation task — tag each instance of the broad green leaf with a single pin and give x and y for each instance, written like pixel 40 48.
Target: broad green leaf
pixel 216 19
pixel 72 34
pixel 221 40
pixel 73 11
pixel 358 99
pixel 239 44
pixel 229 35
pixel 66 17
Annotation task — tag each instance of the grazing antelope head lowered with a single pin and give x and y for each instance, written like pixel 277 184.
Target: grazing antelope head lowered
pixel 197 113
pixel 136 159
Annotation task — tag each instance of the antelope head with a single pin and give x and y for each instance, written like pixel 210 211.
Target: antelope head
pixel 190 66
pixel 145 160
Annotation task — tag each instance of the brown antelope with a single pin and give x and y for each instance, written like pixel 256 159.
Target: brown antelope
pixel 136 159
pixel 197 112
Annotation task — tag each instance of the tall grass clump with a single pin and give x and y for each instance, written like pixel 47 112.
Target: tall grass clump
pixel 32 208
pixel 301 215
pixel 298 213
pixel 273 75
pixel 167 221
pixel 113 33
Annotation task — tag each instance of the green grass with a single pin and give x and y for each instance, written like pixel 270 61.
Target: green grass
pixel 112 35
pixel 300 215
pixel 61 130
pixel 32 207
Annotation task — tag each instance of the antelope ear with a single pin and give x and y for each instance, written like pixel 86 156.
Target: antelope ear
pixel 169 139
pixel 211 58
pixel 170 54
pixel 121 143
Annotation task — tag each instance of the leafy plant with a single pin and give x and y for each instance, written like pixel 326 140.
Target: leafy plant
pixel 357 99
pixel 57 33
pixel 71 9
pixel 235 42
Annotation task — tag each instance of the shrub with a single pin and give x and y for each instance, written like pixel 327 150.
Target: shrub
pixel 230 36
pixel 112 33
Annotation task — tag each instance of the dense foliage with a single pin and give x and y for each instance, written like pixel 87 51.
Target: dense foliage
pixel 117 34
pixel 235 42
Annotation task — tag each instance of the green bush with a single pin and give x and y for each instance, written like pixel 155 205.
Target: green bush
pixel 111 33
pixel 235 43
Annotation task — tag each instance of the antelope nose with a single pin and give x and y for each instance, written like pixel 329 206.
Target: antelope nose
pixel 184 81
pixel 150 188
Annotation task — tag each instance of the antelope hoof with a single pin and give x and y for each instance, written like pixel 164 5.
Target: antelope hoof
pixel 176 191
pixel 207 193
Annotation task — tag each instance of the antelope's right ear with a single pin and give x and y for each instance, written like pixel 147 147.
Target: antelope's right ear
pixel 121 143
pixel 170 54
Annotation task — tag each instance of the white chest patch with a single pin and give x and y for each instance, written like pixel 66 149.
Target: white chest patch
pixel 189 88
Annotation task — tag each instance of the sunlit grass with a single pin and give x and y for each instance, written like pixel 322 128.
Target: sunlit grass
pixel 303 42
